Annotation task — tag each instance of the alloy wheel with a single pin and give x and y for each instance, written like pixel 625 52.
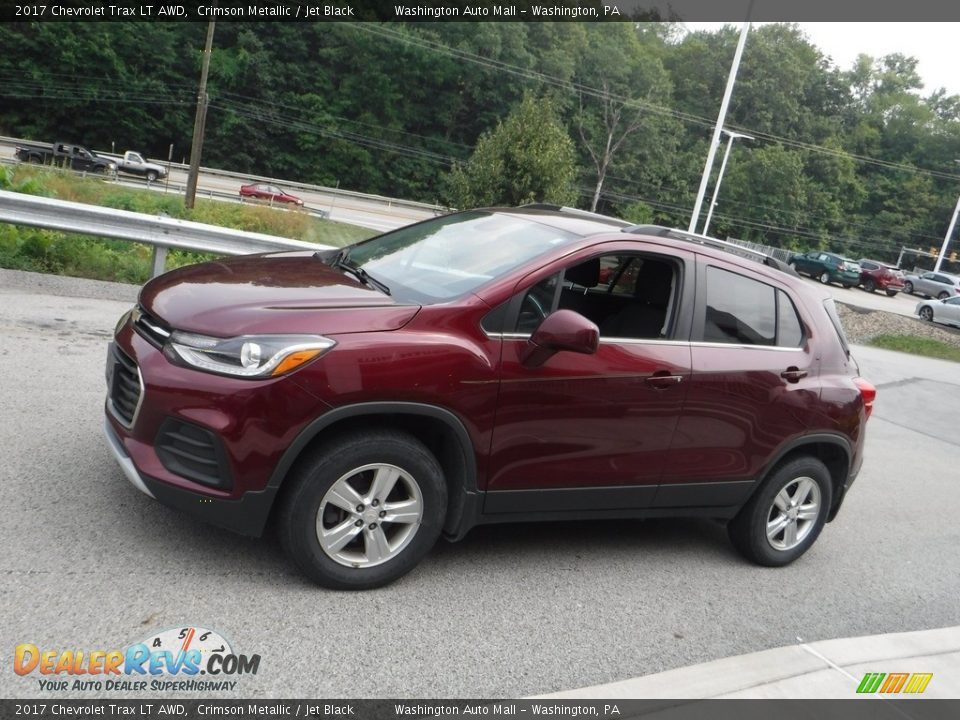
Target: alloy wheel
pixel 793 513
pixel 369 515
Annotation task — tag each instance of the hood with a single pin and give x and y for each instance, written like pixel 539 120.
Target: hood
pixel 291 292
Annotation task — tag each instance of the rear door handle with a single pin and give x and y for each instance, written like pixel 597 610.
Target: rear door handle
pixel 793 374
pixel 662 382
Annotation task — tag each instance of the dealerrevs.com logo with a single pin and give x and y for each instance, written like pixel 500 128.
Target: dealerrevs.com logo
pixel 188 659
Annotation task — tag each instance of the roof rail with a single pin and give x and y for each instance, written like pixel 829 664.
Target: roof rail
pixel 707 241
pixel 574 211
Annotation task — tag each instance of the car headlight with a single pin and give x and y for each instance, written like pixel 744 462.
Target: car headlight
pixel 248 356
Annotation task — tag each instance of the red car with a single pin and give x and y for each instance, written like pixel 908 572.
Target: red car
pixel 264 191
pixel 479 368
pixel 875 275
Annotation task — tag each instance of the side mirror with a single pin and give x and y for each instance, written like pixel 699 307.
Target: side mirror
pixel 562 330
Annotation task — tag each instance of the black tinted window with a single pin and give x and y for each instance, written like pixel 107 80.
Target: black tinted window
pixel 789 328
pixel 743 311
pixel 739 310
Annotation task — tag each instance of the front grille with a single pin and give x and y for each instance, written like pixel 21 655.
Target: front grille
pixel 193 452
pixel 125 388
pixel 150 328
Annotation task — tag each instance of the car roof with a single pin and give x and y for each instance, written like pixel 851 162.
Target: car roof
pixel 578 222
pixel 586 224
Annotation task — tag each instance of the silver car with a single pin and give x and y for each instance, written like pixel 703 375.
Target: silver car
pixel 942 311
pixel 932 284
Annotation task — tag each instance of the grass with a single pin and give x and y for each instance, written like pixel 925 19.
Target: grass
pixel 61 253
pixel 917 346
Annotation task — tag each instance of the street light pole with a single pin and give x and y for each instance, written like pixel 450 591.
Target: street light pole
pixel 721 118
pixel 199 123
pixel 946 238
pixel 723 166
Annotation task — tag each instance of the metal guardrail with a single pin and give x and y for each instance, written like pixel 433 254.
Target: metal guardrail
pixel 162 232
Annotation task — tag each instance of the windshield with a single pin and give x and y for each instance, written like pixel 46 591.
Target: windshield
pixel 441 259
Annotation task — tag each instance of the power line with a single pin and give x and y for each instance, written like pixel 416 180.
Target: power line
pixel 503 66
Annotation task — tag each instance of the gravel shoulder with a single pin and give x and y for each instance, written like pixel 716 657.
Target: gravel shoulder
pixel 863 325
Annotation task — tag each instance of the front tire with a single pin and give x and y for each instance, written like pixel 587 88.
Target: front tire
pixel 825 278
pixel 891 293
pixel 926 313
pixel 870 286
pixel 364 510
pixel 151 175
pixel 785 516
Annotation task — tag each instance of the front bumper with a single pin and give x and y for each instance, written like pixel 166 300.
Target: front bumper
pixel 247 516
pixel 251 425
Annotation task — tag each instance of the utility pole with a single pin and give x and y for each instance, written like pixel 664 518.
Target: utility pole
pixel 723 166
pixel 200 122
pixel 946 238
pixel 721 117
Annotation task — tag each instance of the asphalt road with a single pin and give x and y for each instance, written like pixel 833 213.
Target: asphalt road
pixel 371 213
pixel 90 563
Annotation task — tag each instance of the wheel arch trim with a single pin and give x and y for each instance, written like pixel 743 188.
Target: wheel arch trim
pixel 838 441
pixel 311 431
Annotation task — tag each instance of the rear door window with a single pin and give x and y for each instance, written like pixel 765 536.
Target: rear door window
pixel 743 311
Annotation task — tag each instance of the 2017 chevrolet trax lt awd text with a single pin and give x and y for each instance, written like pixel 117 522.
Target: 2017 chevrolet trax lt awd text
pixel 497 365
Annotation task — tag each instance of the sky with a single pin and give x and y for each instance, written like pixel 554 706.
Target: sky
pixel 935 45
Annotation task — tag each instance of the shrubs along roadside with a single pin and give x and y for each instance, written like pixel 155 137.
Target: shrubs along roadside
pixel 50 251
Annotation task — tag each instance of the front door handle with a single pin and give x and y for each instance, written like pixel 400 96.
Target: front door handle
pixel 793 374
pixel 662 382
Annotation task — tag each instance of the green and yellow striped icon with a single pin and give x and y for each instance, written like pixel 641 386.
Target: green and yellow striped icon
pixel 913 683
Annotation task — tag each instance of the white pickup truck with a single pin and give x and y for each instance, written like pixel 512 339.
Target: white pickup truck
pixel 133 163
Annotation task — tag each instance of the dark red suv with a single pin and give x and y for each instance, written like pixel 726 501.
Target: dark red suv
pixel 497 365
pixel 875 275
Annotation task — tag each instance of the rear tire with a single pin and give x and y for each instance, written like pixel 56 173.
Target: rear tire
pixel 334 519
pixel 943 295
pixel 785 516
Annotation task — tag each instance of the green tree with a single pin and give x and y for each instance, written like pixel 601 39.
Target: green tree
pixel 528 157
pixel 618 77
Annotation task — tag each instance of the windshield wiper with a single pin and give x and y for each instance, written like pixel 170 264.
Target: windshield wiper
pixel 342 260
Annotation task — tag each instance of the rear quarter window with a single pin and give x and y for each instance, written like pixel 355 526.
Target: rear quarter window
pixel 837 325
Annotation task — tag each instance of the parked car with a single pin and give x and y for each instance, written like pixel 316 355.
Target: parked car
pixel 946 311
pixel 474 368
pixel 932 284
pixel 827 268
pixel 264 191
pixel 876 275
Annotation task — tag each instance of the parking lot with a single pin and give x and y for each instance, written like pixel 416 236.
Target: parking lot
pixel 90 563
pixel 901 303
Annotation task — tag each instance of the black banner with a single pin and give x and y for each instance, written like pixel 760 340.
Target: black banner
pixel 875 708
pixel 479 10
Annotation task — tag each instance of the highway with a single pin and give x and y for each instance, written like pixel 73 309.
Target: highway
pixel 379 214
pixel 90 563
